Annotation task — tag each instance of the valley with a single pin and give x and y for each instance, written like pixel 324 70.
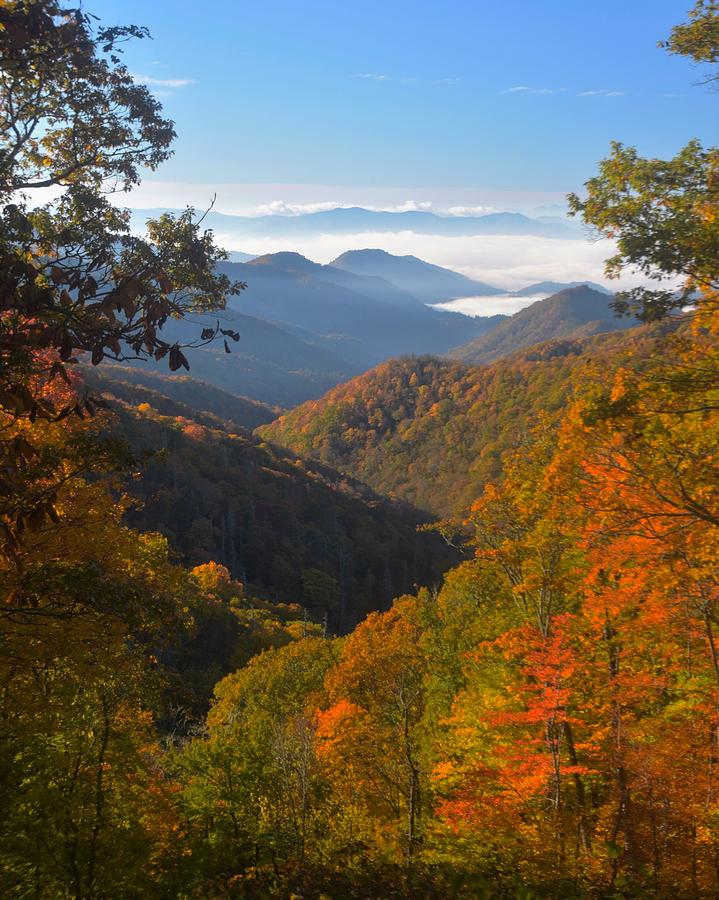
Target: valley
pixel 359 468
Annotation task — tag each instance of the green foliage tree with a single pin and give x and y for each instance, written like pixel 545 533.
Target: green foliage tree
pixel 80 630
pixel 663 214
pixel 252 788
pixel 371 733
pixel 699 37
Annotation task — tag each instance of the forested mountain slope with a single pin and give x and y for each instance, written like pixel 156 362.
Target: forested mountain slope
pixel 178 395
pixel 576 312
pixel 432 431
pixel 289 529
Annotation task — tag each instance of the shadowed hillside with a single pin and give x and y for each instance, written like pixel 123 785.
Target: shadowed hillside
pixel 288 528
pixel 364 318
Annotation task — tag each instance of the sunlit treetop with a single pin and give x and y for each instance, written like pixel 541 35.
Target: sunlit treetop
pixel 663 214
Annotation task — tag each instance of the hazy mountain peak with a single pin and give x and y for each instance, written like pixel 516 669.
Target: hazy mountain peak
pixel 285 259
pixel 554 287
pixel 367 253
pixel 426 281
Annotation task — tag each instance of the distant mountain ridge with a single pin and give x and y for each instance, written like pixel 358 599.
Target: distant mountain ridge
pixel 572 313
pixel 363 317
pixel 376 287
pixel 357 219
pixel 427 282
pixel 554 287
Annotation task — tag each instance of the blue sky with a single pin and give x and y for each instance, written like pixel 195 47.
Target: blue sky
pixel 505 104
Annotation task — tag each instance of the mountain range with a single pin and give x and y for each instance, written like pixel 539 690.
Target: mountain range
pixel 306 327
pixel 356 219
pixel 363 317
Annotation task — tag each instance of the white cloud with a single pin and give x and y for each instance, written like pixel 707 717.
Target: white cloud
pixel 282 208
pixel 470 210
pixel 406 206
pixel 492 305
pixel 526 89
pixel 150 81
pixel 372 76
pixel 601 93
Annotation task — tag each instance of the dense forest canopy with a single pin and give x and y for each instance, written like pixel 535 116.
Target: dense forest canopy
pixel 184 714
pixel 434 432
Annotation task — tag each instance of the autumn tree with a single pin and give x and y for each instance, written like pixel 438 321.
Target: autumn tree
pixel 699 37
pixel 84 619
pixel 73 280
pixel 369 737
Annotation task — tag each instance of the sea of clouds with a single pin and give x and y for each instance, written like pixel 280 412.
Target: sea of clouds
pixel 489 304
pixel 508 262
